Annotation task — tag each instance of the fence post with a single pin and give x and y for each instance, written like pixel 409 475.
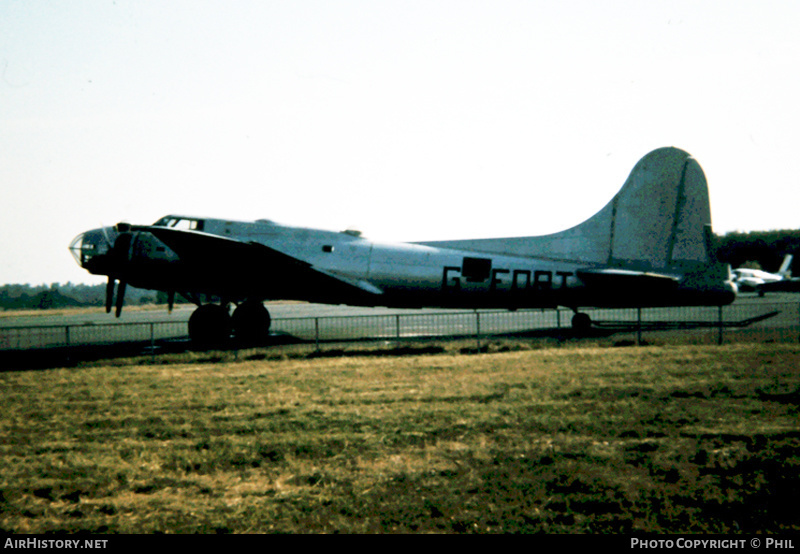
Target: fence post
pixel 719 337
pixel 152 342
pixel 478 329
pixel 638 326
pixel 316 332
pixel 66 334
pixel 397 326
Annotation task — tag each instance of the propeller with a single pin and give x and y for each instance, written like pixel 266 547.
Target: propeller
pixel 120 252
pixel 110 293
pixel 105 235
pixel 121 297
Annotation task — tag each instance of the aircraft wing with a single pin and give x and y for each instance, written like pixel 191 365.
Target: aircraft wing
pixel 227 266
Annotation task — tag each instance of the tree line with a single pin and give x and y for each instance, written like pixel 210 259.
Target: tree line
pixel 760 249
pixel 66 295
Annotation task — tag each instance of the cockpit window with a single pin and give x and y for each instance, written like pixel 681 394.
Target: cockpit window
pixel 181 223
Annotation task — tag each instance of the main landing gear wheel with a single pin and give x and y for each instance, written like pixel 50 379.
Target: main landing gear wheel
pixel 210 325
pixel 251 322
pixel 581 323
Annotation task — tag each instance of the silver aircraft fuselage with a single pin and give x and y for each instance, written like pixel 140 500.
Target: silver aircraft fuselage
pixel 651 245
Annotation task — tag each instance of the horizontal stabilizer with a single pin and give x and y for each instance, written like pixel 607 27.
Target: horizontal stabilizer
pixel 623 278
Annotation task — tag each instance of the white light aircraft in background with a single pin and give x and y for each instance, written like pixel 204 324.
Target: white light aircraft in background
pixel 754 279
pixel 649 246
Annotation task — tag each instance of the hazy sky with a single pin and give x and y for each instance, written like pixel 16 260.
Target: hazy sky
pixel 410 120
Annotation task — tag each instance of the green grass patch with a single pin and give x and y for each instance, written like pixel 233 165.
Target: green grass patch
pixel 670 439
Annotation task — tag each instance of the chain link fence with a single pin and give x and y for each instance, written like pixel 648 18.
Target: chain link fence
pixel 746 321
pixel 53 336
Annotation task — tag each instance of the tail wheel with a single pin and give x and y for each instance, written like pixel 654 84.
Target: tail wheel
pixel 251 322
pixel 210 325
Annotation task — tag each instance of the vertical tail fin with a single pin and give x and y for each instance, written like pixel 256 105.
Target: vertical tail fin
pixel 660 217
pixel 657 220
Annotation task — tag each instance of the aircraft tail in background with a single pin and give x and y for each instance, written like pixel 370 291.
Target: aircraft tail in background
pixel 786 267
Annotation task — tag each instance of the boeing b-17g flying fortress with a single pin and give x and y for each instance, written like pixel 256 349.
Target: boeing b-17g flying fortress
pixel 649 246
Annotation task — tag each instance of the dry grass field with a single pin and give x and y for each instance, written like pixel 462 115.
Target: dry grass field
pixel 669 439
